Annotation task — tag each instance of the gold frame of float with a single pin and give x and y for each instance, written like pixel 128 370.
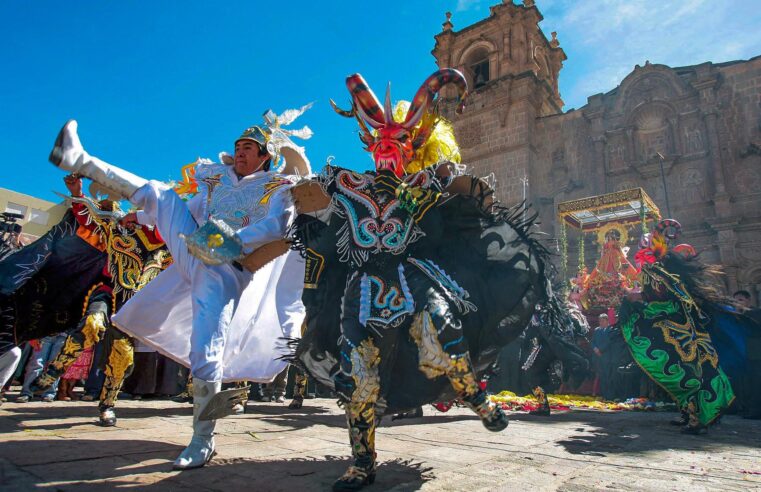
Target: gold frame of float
pixel 621 207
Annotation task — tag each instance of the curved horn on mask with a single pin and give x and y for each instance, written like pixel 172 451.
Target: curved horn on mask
pixel 430 89
pixel 365 101
pixel 365 135
pixel 342 112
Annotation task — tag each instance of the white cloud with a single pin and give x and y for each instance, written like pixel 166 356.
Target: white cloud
pixel 609 37
pixel 464 5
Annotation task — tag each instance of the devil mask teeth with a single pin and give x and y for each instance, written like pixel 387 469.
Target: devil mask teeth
pixel 369 112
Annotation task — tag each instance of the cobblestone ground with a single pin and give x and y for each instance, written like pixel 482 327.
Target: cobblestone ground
pixel 58 446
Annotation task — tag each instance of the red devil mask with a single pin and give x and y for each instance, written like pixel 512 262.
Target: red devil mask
pixel 393 144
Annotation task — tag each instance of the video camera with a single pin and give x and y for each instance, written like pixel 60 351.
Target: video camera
pixel 8 223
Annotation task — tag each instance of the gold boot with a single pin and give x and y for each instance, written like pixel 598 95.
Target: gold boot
pixel 362 436
pixel 544 403
pixel 463 380
pixel 299 390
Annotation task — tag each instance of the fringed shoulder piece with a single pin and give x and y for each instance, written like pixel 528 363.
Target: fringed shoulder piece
pixel 305 230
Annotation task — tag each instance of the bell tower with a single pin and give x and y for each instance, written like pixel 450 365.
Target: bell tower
pixel 512 71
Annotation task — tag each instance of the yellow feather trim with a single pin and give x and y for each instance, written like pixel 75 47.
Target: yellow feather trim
pixel 441 145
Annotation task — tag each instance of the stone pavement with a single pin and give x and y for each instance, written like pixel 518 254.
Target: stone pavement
pixel 57 446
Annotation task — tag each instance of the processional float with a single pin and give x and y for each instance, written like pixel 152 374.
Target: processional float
pixel 617 219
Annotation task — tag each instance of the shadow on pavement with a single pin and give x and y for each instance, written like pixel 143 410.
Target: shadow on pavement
pixel 80 464
pixel 39 411
pixel 611 433
pixel 277 409
pixel 297 420
pixel 319 473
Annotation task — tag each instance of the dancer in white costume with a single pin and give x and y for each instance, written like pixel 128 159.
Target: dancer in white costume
pixel 8 363
pixel 222 320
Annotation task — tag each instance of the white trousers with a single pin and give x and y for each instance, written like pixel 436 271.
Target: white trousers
pixel 8 363
pixel 215 289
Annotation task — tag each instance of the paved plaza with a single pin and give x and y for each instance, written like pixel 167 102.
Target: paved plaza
pixel 58 446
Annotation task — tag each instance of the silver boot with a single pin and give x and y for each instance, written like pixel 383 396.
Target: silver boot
pixel 69 155
pixel 201 447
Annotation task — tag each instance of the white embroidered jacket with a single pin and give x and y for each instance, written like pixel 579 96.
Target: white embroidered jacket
pixel 259 206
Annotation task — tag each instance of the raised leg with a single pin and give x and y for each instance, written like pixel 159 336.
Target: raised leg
pixel 443 350
pixel 171 215
pixel 69 155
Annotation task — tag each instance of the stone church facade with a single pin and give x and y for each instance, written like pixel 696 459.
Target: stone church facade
pixel 702 123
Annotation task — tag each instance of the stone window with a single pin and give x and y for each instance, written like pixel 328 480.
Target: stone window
pixel 480 73
pixel 478 65
pixel 39 217
pixel 16 208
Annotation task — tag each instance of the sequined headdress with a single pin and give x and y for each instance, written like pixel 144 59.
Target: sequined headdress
pixel 273 136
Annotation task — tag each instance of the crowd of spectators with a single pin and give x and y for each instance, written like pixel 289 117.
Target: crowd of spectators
pixel 153 376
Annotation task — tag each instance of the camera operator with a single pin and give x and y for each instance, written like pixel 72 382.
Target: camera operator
pixel 10 233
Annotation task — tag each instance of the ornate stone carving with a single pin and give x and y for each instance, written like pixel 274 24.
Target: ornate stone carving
pixel 751 252
pixel 726 238
pixel 695 116
pixel 693 140
pixel 690 178
pixel 691 182
pixel 748 181
pixel 447 25
pixel 554 43
pixel 616 155
pixel 652 143
pixel 649 88
pixel 541 60
pixel 752 149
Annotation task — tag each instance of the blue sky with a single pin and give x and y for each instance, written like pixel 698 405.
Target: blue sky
pixel 156 84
